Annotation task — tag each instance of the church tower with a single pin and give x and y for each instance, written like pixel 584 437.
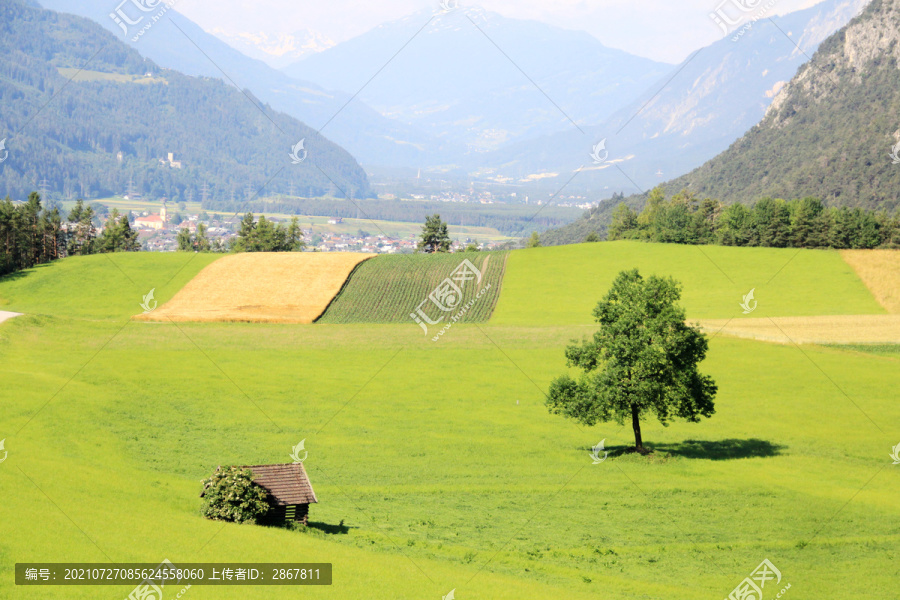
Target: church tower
pixel 162 212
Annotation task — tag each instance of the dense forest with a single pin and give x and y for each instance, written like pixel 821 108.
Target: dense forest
pixel 110 130
pixel 776 223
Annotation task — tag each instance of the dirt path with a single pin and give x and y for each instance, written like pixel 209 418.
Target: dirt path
pixel 5 314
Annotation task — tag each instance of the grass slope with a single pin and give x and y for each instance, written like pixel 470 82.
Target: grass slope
pixel 386 289
pixel 103 286
pixel 440 459
pixel 562 284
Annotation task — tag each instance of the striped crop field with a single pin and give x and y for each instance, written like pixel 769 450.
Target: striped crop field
pixel 388 289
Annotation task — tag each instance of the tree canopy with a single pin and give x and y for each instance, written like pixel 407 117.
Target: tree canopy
pixel 435 235
pixel 643 360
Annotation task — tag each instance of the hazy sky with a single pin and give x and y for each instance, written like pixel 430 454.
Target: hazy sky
pixel 665 30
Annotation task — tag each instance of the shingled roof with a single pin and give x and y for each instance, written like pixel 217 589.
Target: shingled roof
pixel 286 483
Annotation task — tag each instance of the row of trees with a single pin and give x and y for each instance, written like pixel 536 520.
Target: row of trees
pixel 260 235
pixel 31 234
pixel 805 223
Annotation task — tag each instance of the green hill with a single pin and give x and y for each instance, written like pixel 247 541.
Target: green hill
pixel 437 466
pixel 70 133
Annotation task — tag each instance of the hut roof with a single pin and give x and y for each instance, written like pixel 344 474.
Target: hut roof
pixel 286 483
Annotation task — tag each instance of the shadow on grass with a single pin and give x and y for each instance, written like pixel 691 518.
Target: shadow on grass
pixel 340 529
pixel 729 449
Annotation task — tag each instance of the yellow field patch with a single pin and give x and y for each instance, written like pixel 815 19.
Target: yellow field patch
pixel 261 287
pixel 837 329
pixel 880 271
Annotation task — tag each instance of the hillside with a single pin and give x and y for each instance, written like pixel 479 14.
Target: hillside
pixel 692 113
pixel 178 43
pixel 437 465
pixel 70 134
pixel 828 133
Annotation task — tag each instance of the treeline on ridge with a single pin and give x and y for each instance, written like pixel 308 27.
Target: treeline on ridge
pixel 771 222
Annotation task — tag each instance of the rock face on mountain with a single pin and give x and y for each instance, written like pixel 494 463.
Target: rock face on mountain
pixel 694 112
pixel 832 132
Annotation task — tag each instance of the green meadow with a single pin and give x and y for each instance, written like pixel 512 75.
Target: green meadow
pixel 436 464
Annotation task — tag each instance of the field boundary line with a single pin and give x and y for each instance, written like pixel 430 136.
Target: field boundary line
pixel 343 287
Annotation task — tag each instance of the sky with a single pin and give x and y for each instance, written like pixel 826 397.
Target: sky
pixel 663 30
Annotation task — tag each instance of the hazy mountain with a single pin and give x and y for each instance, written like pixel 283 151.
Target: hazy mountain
pixel 453 80
pixel 276 50
pixel 88 115
pixel 370 137
pixel 691 114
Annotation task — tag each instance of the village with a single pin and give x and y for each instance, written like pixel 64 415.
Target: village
pixel 158 232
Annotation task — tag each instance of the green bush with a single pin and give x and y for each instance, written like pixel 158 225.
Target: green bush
pixel 231 495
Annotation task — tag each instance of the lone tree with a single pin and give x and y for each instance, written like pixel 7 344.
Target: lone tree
pixel 643 359
pixel 435 235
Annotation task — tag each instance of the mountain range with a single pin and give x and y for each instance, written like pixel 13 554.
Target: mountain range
pixel 482 80
pixel 687 117
pixel 87 115
pixel 833 132
pixel 503 100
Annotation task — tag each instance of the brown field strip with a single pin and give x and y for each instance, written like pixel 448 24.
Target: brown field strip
pixel 838 329
pixel 880 271
pixel 261 287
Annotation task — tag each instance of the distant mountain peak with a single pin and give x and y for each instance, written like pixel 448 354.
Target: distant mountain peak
pixel 278 49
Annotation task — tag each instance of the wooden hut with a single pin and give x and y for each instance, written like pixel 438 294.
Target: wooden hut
pixel 289 491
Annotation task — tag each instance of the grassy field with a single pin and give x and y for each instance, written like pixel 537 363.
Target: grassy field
pixel 386 289
pixel 440 460
pixel 561 284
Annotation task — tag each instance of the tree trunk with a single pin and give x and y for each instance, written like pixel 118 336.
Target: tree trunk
pixel 636 425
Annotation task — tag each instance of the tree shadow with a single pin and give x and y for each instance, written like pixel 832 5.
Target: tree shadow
pixel 330 529
pixel 729 449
